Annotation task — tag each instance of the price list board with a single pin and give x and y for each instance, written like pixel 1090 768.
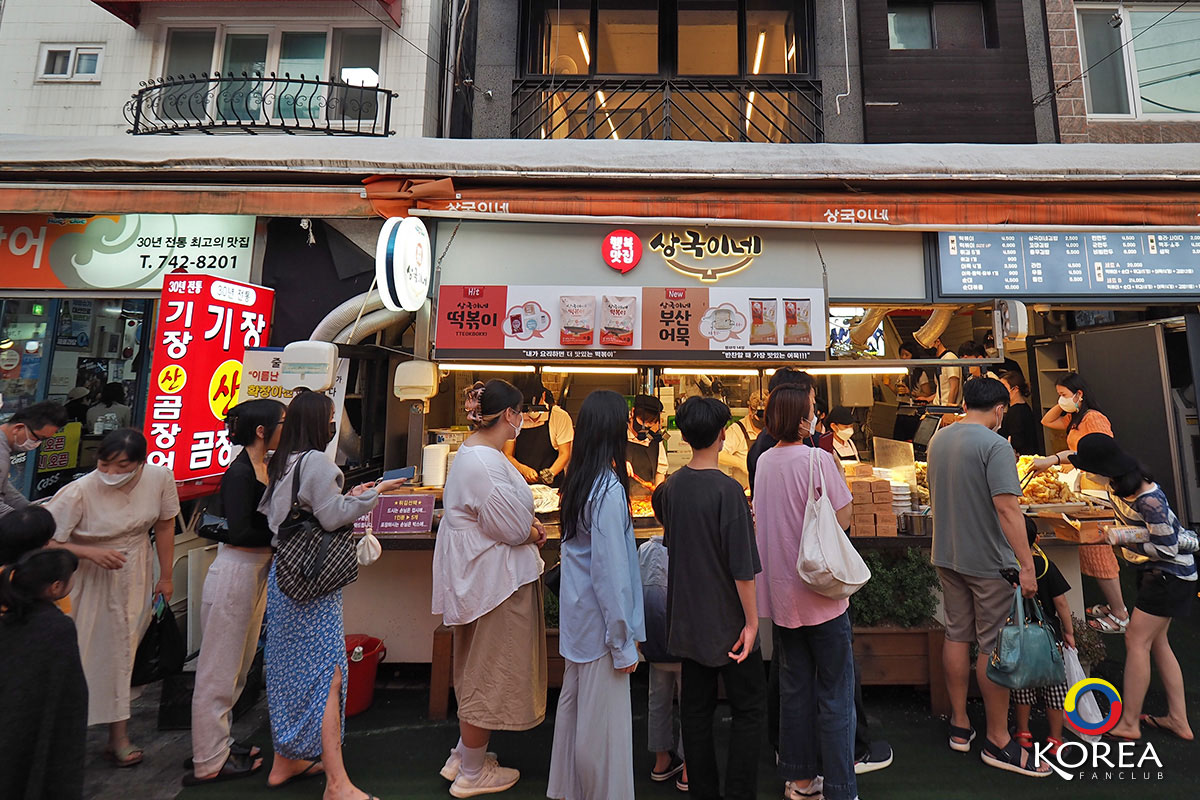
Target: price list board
pixel 1034 265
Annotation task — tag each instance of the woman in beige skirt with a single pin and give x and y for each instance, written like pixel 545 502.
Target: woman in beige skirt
pixel 486 586
pixel 105 518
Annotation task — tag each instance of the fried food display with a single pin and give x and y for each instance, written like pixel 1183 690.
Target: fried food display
pixel 640 507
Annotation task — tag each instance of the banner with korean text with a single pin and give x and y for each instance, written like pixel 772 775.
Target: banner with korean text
pixel 205 325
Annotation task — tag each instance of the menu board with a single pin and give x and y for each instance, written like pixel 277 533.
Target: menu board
pixel 625 323
pixel 398 514
pixel 1133 265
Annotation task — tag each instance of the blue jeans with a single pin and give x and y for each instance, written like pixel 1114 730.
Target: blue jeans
pixel 816 705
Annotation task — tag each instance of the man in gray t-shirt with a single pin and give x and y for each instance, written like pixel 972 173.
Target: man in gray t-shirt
pixel 978 531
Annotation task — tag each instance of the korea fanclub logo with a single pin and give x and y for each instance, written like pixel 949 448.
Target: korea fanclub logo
pixel 1094 758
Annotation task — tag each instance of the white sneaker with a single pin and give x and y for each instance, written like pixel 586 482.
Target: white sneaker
pixel 454 763
pixel 493 778
pixel 811 792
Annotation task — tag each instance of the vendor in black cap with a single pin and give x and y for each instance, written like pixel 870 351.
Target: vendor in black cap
pixel 541 450
pixel 840 439
pixel 645 453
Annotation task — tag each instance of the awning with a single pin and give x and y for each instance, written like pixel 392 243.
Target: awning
pixel 131 10
pixel 930 210
pixel 264 201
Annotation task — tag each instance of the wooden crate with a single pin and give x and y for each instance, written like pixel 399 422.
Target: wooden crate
pixel 893 656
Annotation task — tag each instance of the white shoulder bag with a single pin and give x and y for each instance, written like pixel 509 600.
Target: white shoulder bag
pixel 828 562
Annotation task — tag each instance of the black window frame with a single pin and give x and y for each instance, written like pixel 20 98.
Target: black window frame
pixel 668 43
pixel 991 25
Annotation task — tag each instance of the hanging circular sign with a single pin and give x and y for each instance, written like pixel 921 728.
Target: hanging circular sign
pixel 403 264
pixel 621 250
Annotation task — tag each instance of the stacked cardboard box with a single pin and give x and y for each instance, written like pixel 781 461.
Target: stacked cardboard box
pixel 881 502
pixel 872 507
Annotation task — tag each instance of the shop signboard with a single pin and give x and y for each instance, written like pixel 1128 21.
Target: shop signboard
pixel 629 323
pixel 205 325
pixel 1123 265
pixel 132 252
pixel 398 514
pixel 261 381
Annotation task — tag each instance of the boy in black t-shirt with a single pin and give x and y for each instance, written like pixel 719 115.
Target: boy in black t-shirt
pixel 712 612
pixel 1052 594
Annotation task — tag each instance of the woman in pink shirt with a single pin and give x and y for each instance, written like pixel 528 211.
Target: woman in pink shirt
pixel 816 663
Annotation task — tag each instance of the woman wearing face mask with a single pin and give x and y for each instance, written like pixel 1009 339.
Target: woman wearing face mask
pixel 740 437
pixel 1020 425
pixel 840 439
pixel 105 519
pixel 1079 415
pixel 305 656
pixel 1166 585
pixel 486 568
pixel 235 597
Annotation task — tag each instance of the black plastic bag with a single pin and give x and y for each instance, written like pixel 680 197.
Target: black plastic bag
pixel 162 651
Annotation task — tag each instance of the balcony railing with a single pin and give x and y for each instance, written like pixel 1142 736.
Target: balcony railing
pixel 690 109
pixel 259 104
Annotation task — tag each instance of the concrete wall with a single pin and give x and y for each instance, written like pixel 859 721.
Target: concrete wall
pixel 1040 77
pixel 133 55
pixel 832 39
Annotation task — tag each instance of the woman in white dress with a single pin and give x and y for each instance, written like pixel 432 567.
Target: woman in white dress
pixel 105 519
pixel 486 570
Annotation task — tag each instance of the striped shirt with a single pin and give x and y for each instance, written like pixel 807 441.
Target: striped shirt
pixel 1152 511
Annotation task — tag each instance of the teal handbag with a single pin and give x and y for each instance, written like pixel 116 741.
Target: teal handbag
pixel 1026 654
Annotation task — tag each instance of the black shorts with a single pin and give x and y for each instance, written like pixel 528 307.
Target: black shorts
pixel 1164 595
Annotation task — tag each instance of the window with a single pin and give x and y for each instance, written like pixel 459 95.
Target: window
pixel 349 55
pixel 667 37
pixel 78 63
pixel 936 26
pixel 1140 63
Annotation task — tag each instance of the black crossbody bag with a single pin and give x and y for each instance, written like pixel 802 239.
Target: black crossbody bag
pixel 310 561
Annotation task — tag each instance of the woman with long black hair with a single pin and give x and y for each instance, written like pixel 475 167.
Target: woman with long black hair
pixel 486 570
pixel 43 693
pixel 306 649
pixel 601 618
pixel 235 597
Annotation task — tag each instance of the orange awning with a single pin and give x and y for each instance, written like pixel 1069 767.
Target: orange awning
pixel 933 209
pixel 266 201
pixel 130 11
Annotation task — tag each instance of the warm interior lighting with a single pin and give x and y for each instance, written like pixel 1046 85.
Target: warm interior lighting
pixel 607 118
pixel 589 370
pixel 587 55
pixel 758 51
pixel 863 370
pixel 701 371
pixel 791 53
pixel 486 367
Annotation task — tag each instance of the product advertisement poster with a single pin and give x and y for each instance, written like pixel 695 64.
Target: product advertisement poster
pixel 205 326
pixel 626 323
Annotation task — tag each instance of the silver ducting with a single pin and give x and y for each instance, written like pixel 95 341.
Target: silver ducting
pixel 861 333
pixel 934 327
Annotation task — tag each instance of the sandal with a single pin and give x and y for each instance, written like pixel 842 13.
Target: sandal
pixel 310 771
pixel 128 756
pixel 961 733
pixel 1097 611
pixel 1024 738
pixel 1055 744
pixel 240 748
pixel 1109 624
pixel 1008 758
pixel 237 765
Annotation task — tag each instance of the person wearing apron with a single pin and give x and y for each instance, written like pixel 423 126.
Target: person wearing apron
pixel 543 447
pixel 645 453
pixel 841 427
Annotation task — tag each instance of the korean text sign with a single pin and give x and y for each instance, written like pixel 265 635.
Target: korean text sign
pixel 205 325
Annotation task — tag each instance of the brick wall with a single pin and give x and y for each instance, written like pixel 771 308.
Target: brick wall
pixel 1073 124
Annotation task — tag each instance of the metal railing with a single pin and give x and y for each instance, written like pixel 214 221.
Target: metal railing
pixel 255 103
pixel 690 109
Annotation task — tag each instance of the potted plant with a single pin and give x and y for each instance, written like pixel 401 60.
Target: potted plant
pixel 1090 644
pixel 896 640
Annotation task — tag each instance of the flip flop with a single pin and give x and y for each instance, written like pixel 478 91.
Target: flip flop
pixel 1112 737
pixel 1153 722
pixel 305 774
pixel 125 756
pixel 240 748
pixel 236 766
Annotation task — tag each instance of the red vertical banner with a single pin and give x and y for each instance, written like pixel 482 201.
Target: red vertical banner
pixel 205 324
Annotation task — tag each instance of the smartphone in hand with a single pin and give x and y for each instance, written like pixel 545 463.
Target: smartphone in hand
pixel 404 473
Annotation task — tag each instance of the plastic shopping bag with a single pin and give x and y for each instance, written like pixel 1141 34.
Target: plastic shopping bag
pixel 1087 706
pixel 162 651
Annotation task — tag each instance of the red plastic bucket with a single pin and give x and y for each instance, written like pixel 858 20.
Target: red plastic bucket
pixel 360 686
